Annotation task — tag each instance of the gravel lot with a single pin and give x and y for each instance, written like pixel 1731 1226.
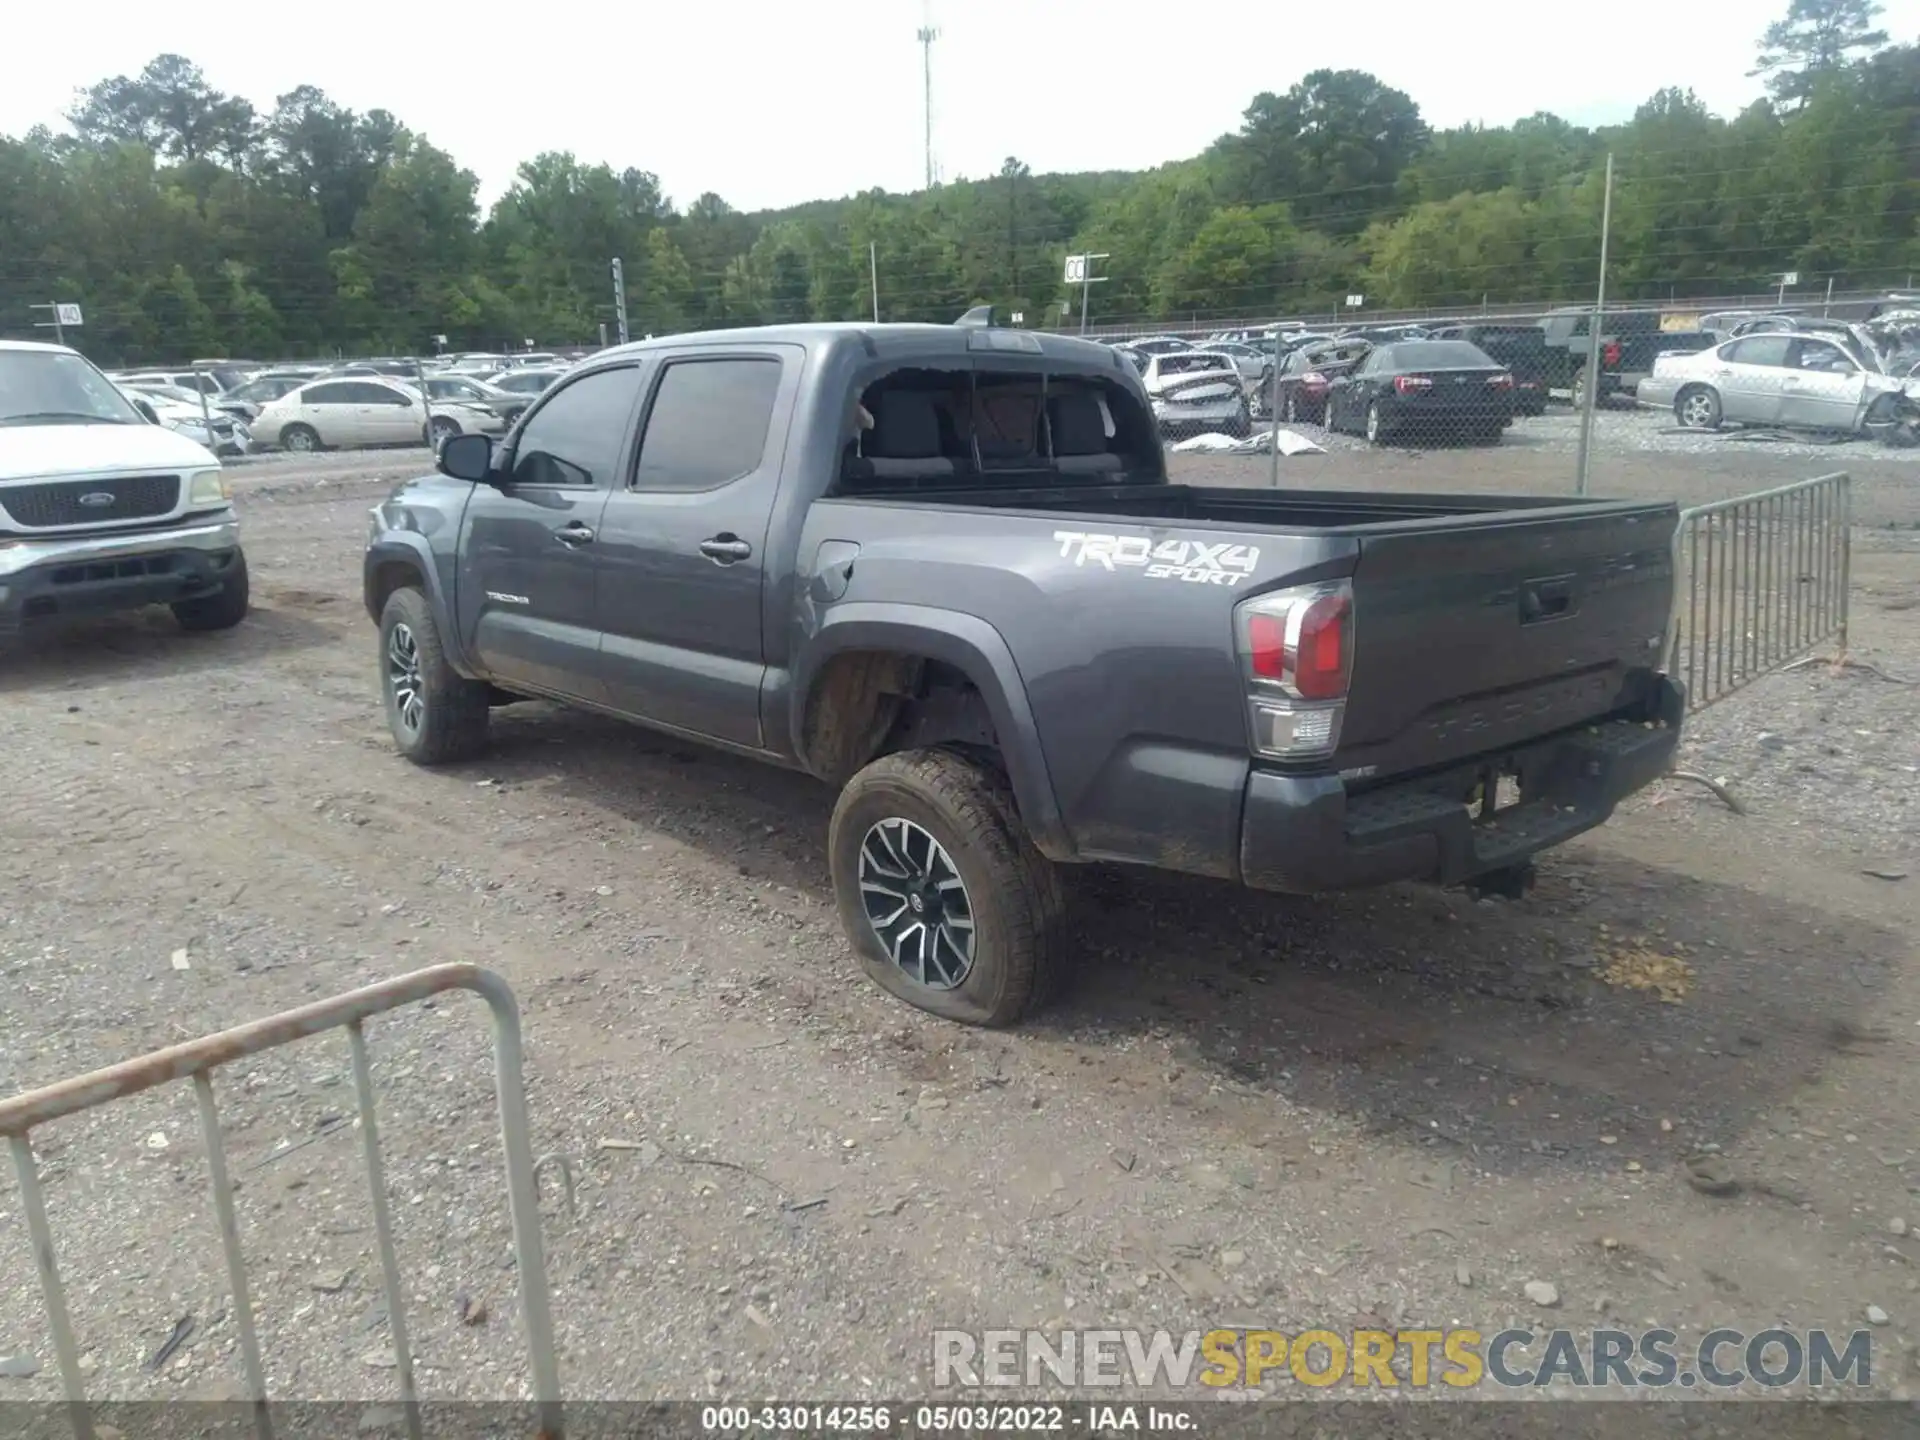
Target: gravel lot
pixel 1387 1108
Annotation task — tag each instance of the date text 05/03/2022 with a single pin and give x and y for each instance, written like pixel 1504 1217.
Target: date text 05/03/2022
pixel 962 1419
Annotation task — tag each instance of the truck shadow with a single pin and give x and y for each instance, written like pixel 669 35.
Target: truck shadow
pixel 1614 996
pixel 99 649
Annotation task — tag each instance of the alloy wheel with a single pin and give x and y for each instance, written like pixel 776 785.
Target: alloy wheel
pixel 403 678
pixel 917 903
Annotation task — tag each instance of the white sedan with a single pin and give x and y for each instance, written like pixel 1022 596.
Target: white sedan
pixel 1797 381
pixel 361 412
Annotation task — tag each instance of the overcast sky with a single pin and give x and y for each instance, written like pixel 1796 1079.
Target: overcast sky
pixel 772 103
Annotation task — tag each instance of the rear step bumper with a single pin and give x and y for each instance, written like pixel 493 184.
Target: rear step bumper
pixel 1302 834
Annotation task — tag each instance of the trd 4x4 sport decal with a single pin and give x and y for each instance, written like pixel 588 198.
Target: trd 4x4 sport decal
pixel 1197 561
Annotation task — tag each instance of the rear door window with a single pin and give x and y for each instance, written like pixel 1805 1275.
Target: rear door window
pixel 709 422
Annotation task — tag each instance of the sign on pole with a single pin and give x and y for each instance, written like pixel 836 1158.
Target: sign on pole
pixel 1019 317
pixel 1790 279
pixel 67 314
pixel 1354 302
pixel 1076 270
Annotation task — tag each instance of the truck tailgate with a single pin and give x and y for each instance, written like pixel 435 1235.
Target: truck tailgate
pixel 1475 634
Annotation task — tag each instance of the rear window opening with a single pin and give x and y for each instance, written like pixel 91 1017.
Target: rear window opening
pixel 915 428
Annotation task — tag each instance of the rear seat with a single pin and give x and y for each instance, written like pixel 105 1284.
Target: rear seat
pixel 904 443
pixel 1080 435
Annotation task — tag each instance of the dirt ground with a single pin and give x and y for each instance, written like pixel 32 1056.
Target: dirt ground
pixel 1388 1108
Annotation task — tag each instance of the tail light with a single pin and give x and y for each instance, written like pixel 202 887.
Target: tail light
pixel 1296 655
pixel 1411 384
pixel 1501 382
pixel 1313 378
pixel 1610 354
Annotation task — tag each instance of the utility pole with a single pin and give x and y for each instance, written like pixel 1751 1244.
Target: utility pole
pixel 620 298
pixel 1593 340
pixel 873 274
pixel 927 34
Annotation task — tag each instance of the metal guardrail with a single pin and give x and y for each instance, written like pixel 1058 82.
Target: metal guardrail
pixel 1761 580
pixel 196 1060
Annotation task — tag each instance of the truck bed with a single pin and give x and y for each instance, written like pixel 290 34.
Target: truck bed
pixel 1288 510
pixel 1480 624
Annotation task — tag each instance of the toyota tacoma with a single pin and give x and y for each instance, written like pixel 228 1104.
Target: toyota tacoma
pixel 943 569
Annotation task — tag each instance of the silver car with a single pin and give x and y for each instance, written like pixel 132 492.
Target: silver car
pixel 1196 390
pixel 1794 380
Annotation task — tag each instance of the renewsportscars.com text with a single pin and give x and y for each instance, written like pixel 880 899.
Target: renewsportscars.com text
pixel 1458 1358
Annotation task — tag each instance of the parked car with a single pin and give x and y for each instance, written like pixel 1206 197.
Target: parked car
pixel 1521 348
pixel 101 509
pixel 507 404
pixel 216 404
pixel 219 432
pixel 526 383
pixel 257 392
pixel 1423 390
pixel 1061 658
pixel 194 380
pixel 1630 341
pixel 1197 390
pixel 1159 344
pixel 332 413
pixel 1253 363
pixel 1780 378
pixel 1306 374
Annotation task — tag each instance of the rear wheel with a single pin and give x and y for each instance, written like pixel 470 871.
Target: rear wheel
pixel 1697 408
pixel 442 430
pixel 1293 408
pixel 1241 425
pixel 943 896
pixel 1376 426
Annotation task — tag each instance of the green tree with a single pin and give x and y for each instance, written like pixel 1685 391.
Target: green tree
pixel 1814 38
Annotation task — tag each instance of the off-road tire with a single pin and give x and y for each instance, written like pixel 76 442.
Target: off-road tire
pixel 1013 891
pixel 223 609
pixel 453 723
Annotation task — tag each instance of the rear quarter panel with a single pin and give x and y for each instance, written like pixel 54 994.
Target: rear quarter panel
pixel 1120 635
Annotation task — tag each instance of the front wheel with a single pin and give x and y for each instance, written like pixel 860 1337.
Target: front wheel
pixel 435 714
pixel 301 439
pixel 441 430
pixel 943 896
pixel 223 609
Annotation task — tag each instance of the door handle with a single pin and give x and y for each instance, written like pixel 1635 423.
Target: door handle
pixel 725 549
pixel 574 534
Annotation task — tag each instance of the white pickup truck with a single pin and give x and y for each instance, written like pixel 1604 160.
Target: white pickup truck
pixel 100 509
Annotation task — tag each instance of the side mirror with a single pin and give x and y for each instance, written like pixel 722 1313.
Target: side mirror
pixel 147 412
pixel 467 457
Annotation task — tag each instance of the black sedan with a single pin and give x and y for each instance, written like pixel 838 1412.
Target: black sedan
pixel 1424 390
pixel 1307 374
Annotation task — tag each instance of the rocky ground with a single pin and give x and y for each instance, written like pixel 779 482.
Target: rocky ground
pixel 1389 1108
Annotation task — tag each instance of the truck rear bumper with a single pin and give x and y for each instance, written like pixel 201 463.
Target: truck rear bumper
pixel 46 577
pixel 1302 834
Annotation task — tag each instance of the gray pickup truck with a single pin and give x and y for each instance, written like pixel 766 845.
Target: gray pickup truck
pixel 942 569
